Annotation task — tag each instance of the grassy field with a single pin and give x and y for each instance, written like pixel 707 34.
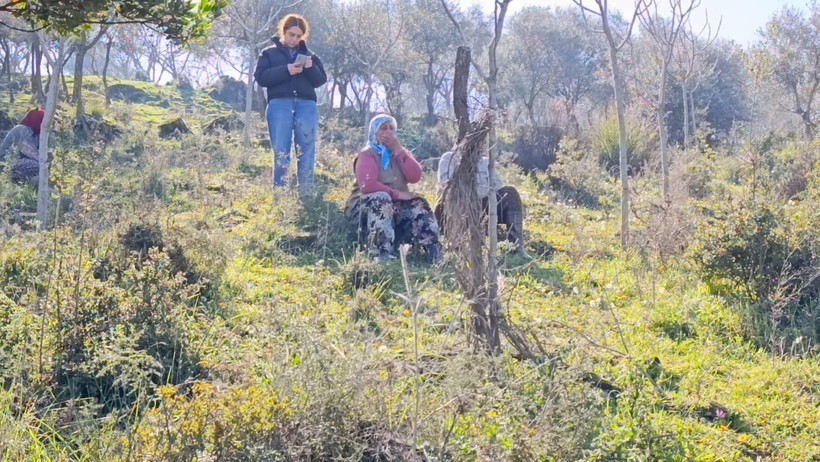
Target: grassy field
pixel 180 311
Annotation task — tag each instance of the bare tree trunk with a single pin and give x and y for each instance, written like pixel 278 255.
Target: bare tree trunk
pixel 79 69
pixel 105 69
pixel 6 59
pixel 685 114
pixel 693 115
pixel 246 133
pixel 494 305
pixel 63 82
pixel 430 97
pixel 662 129
pixel 60 73
pixel 79 65
pixel 358 104
pixel 7 68
pixel 368 96
pixel 620 106
pixel 808 124
pixel 460 90
pixel 572 120
pixel 342 96
pixel 37 95
pixel 462 207
pixel 493 302
pixel 531 112
pixel 665 33
pixel 43 192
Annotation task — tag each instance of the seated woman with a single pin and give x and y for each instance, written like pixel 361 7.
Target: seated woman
pixel 22 143
pixel 381 205
pixel 510 208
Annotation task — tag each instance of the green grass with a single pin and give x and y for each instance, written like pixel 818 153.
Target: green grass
pixel 306 349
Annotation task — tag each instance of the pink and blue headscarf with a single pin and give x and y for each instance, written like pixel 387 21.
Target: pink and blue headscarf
pixel 381 149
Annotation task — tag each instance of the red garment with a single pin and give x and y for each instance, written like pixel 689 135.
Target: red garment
pixel 34 120
pixel 367 172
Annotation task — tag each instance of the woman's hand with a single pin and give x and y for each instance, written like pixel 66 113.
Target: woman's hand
pixel 309 62
pixel 406 196
pixel 294 69
pixel 390 140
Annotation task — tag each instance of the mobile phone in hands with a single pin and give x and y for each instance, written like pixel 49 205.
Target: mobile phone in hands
pixel 300 60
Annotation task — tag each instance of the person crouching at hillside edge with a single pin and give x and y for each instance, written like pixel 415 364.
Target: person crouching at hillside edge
pixel 25 137
pixel 510 208
pixel 291 91
pixel 381 205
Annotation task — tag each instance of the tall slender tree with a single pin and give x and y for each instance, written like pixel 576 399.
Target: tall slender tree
pixel 617 40
pixel 665 32
pixel 431 39
pixel 83 44
pixel 692 63
pixel 490 78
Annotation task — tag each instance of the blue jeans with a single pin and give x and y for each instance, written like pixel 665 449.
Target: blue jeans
pixel 298 120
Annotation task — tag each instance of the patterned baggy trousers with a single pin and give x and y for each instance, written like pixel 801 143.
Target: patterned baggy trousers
pixel 381 224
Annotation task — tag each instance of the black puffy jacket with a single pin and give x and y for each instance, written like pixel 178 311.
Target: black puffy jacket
pixel 272 73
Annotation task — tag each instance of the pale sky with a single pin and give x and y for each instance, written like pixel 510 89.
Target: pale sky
pixel 741 19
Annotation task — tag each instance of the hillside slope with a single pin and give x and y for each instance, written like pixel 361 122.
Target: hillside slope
pixel 180 311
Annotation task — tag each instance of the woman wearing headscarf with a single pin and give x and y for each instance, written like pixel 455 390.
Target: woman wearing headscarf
pixel 291 73
pixel 382 210
pixel 22 146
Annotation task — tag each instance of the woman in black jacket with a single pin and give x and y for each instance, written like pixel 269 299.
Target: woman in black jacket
pixel 290 74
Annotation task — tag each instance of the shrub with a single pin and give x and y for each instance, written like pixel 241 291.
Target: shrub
pixel 535 148
pixel 578 177
pixel 234 423
pixel 752 251
pixel 605 140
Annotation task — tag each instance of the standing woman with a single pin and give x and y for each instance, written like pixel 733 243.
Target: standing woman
pixel 291 88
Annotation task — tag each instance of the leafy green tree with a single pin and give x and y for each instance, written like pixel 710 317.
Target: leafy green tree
pixel 180 19
pixel 717 94
pixel 329 41
pixel 432 40
pixel 250 25
pixel 791 40
pixel 368 33
pixel 617 38
pixel 84 42
pixel 59 21
pixel 551 55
